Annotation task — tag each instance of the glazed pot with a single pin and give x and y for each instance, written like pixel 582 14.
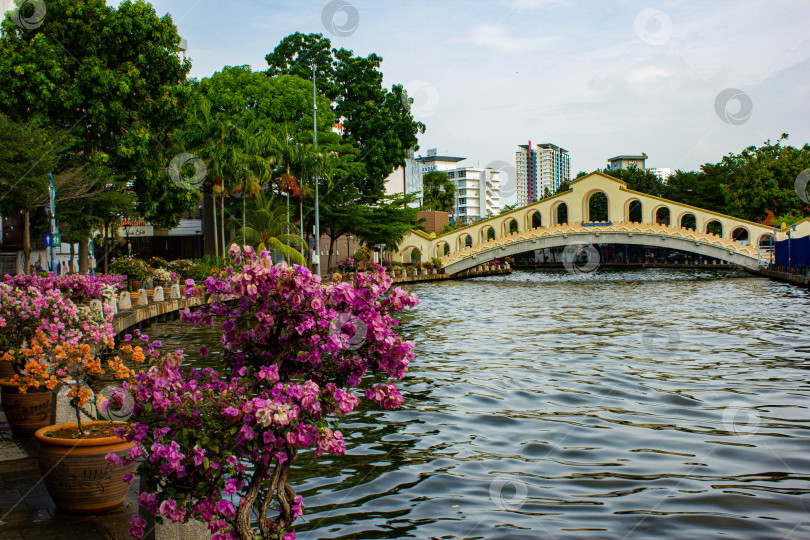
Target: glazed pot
pixel 6 370
pixel 29 411
pixel 76 473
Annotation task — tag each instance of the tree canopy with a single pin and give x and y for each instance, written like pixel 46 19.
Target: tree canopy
pixel 439 192
pixel 113 78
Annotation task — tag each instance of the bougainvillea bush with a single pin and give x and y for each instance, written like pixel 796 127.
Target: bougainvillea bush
pixel 220 444
pixel 25 312
pixel 76 286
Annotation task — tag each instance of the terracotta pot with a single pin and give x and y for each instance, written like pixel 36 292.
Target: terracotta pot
pixel 6 370
pixel 27 412
pixel 77 476
pixel 136 286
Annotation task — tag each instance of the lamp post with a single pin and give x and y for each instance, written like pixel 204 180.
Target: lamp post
pixel 316 260
pixel 52 208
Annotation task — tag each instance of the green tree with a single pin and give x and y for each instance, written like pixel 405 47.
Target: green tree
pixel 377 120
pixel 113 78
pixel 637 179
pixel 508 208
pixel 26 158
pixel 762 179
pixel 267 227
pixel 387 223
pixel 438 192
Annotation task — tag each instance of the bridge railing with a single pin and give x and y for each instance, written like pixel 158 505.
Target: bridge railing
pixel 590 228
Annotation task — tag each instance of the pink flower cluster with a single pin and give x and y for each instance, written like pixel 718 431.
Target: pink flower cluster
pixel 78 286
pixel 286 383
pixel 26 311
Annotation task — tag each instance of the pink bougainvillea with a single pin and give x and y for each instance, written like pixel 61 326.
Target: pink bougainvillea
pixel 220 444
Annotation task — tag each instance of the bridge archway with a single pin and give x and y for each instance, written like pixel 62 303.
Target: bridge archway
pixel 486 234
pixel 714 227
pixel 411 254
pixel 596 206
pixel 510 226
pixel 559 214
pixel 662 215
pixel 688 221
pixel 740 234
pixel 633 211
pixel 534 220
pixel 766 241
pixel 464 240
pixel 442 249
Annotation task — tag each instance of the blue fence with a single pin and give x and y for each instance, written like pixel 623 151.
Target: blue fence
pixel 799 251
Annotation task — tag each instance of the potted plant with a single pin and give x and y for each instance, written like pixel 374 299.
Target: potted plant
pixel 74 457
pixel 162 277
pixel 26 313
pixel 219 445
pixel 136 270
pixel 27 411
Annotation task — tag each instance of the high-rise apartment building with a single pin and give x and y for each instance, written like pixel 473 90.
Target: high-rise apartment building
pixel 540 171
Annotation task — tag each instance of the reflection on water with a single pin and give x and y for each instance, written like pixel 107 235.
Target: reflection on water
pixel 628 404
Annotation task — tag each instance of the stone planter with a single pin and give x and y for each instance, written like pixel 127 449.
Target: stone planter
pixel 76 473
pixel 27 412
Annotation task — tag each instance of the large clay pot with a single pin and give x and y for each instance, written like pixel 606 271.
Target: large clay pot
pixel 27 412
pixel 6 370
pixel 76 473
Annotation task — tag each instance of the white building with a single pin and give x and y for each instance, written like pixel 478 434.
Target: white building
pixel 663 173
pixel 478 190
pixel 540 170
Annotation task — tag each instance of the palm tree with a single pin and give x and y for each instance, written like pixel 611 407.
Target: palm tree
pixel 266 227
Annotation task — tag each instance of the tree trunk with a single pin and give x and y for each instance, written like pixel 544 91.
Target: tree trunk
pixel 222 225
pixel 72 255
pixel 84 255
pixel 331 260
pixel 106 247
pixel 27 239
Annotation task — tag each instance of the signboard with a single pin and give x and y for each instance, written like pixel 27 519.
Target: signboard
pixel 135 231
pixel 53 240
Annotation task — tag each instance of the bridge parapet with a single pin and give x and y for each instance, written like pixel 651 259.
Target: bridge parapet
pixel 616 232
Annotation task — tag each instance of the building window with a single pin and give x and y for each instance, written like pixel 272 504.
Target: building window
pixel 462 174
pixel 462 201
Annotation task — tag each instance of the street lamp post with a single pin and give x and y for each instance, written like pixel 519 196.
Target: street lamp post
pixel 52 196
pixel 316 260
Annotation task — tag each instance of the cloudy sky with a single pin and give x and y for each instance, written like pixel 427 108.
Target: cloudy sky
pixel 685 82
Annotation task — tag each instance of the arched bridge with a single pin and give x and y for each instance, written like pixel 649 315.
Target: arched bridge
pixel 597 209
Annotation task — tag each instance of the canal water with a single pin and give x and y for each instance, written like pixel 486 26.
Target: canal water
pixel 617 404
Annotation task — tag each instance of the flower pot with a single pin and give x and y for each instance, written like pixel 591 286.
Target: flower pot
pixel 6 370
pixel 27 412
pixel 135 286
pixel 76 473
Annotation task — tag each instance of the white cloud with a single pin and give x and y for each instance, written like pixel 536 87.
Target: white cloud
pixel 501 40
